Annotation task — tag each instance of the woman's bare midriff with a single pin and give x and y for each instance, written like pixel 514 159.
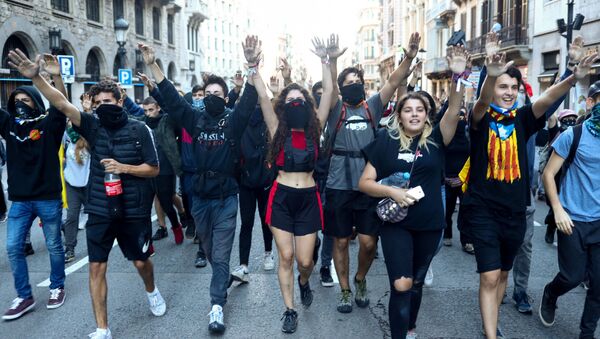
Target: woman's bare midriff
pixel 296 179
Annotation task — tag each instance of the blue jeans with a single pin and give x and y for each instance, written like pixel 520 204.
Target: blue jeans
pixel 215 221
pixel 19 222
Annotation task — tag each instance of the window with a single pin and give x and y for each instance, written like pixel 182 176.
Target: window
pixel 551 60
pixel 170 29
pixel 473 22
pixel 61 5
pixel 223 45
pixel 139 17
pixel 118 10
pixel 372 52
pixel 156 23
pixel 216 46
pixel 463 22
pixel 485 23
pixel 92 66
pixel 93 10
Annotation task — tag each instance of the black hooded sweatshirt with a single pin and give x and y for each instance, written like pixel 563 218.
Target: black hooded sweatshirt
pixel 32 151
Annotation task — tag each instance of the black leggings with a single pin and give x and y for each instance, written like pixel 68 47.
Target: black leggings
pixel 451 194
pixel 164 188
pixel 407 254
pixel 248 199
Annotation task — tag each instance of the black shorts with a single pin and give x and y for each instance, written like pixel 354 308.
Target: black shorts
pixel 295 210
pixel 497 237
pixel 134 237
pixel 346 209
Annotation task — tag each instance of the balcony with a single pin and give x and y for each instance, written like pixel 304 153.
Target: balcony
pixel 437 68
pixel 198 10
pixel 514 42
pixel 442 9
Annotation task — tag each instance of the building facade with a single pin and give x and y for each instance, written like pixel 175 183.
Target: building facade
pixel 368 49
pixel 87 33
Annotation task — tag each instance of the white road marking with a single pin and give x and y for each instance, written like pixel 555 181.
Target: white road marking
pixel 334 273
pixel 76 266
pixel 537 224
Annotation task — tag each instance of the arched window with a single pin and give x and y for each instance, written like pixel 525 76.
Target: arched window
pixel 13 79
pixel 92 66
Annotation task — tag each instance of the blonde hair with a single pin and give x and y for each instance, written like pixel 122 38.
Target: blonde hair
pixel 396 131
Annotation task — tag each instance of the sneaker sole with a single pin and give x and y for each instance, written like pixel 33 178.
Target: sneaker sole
pixel 288 331
pixel 269 268
pixel 326 284
pixel 542 318
pixel 51 307
pixel 361 303
pixel 214 330
pixel 69 260
pixel 345 310
pixel 238 279
pixel 19 315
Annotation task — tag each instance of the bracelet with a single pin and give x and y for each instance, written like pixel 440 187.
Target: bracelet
pixel 325 60
pixel 252 70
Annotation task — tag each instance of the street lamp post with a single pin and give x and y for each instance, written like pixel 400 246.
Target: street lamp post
pixel 566 30
pixel 121 27
pixel 55 39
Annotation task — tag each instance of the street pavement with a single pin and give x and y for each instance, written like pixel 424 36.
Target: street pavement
pixel 449 309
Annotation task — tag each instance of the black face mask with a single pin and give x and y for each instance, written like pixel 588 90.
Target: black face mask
pixel 318 100
pixel 111 116
pixel 353 94
pixel 297 114
pixel 215 105
pixel 24 113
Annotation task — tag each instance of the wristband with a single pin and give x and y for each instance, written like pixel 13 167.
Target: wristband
pixel 252 70
pixel 325 60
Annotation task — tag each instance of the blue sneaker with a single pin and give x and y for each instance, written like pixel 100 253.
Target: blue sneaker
pixel 523 302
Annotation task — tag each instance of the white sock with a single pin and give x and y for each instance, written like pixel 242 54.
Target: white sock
pixel 102 330
pixel 153 293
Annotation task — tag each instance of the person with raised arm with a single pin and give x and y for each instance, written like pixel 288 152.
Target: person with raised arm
pixel 216 132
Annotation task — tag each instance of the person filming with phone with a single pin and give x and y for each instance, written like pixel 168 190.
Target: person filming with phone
pixel 405 166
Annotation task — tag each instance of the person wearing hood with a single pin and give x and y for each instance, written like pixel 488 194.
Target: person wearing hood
pixel 216 132
pixel 163 185
pixel 119 146
pixel 33 138
pixel 576 208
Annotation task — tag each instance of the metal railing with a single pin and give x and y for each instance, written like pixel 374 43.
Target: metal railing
pixel 509 36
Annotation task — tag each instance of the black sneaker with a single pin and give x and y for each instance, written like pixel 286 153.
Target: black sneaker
pixel 69 255
pixel 196 240
pixel 190 231
pixel 316 251
pixel 547 308
pixel 549 237
pixel 522 302
pixel 290 321
pixel 326 279
pixel 160 233
pixel 306 295
pixel 200 260
pixel 28 249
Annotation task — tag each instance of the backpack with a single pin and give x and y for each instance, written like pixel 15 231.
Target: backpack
pixel 560 176
pixel 326 150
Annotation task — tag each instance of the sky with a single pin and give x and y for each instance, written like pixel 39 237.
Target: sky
pixel 303 20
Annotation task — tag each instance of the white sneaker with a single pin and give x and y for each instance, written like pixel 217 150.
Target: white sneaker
pixel 411 335
pixel 268 262
pixel 240 274
pixel 158 307
pixel 101 333
pixel 215 324
pixel 429 277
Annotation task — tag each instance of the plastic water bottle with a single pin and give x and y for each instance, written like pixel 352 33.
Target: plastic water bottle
pixel 114 195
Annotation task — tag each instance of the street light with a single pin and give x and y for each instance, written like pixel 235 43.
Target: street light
pixel 121 27
pixel 565 29
pixel 55 38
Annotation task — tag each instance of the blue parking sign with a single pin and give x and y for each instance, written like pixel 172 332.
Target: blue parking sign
pixel 126 78
pixel 67 68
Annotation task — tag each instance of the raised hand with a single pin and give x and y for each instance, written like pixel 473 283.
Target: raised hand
pixel 285 68
pixel 333 47
pixel 319 48
pixel 238 79
pixel 576 51
pixel 51 64
pixel 413 45
pixel 492 44
pixel 147 53
pixel 417 70
pixel 583 69
pixel 19 61
pixel 146 81
pixel 273 85
pixel 252 49
pixel 457 59
pixel 497 65
pixel 86 102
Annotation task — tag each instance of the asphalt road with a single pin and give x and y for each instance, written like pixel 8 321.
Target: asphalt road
pixel 449 309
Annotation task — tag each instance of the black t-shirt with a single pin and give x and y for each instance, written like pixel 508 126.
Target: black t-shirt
pixel 457 151
pixel 89 130
pixel 495 194
pixel 383 154
pixel 33 165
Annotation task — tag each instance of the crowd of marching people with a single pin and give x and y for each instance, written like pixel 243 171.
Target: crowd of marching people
pixel 387 169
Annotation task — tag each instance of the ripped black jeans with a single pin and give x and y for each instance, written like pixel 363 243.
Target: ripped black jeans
pixel 407 254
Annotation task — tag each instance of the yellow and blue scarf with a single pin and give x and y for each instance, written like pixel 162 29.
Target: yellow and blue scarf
pixel 503 154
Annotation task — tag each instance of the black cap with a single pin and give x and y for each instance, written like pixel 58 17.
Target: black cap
pixel 594 89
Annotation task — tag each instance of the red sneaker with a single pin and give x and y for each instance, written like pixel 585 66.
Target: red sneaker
pixel 19 307
pixel 178 234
